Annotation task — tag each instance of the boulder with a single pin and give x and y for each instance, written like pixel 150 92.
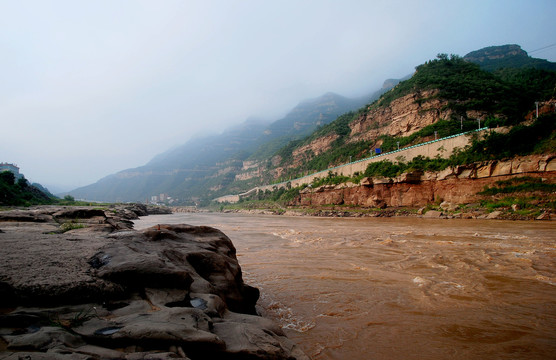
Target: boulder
pixel 433 214
pixel 185 326
pixel 494 215
pixel 448 206
pixel 167 292
pixel 467 215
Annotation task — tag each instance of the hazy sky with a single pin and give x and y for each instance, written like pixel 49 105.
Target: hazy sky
pixel 89 88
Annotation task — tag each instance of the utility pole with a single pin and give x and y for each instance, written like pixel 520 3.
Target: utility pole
pixel 461 122
pixel 537 108
pixel 398 145
pixel 435 135
pixel 479 121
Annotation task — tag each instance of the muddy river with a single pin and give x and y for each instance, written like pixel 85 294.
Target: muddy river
pixel 399 288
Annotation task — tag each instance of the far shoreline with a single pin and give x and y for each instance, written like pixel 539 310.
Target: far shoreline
pixel 471 211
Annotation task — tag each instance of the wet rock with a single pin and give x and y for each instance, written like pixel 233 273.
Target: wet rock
pixel 247 337
pixel 50 355
pixel 158 329
pixel 494 215
pixel 448 206
pixel 155 356
pixel 129 294
pixel 433 214
pixel 42 340
pixel 98 352
pixel 544 216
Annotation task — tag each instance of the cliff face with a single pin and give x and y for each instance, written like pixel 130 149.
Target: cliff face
pixel 458 185
pixel 403 117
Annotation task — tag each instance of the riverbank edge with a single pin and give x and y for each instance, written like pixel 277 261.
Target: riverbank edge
pixel 440 211
pixel 113 291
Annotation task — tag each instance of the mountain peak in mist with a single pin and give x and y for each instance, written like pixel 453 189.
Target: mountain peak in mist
pixel 506 56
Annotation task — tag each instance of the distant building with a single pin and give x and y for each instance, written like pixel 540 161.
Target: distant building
pixel 12 168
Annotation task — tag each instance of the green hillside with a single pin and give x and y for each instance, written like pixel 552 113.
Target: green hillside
pixel 206 167
pixel 20 193
pixel 502 82
pixel 509 91
pixel 507 94
pixel 493 58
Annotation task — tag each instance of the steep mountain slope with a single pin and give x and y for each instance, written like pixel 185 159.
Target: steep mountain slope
pixel 495 86
pixel 205 166
pixel 444 96
pixel 507 56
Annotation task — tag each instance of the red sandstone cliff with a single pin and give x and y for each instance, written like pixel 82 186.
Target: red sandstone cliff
pixel 458 185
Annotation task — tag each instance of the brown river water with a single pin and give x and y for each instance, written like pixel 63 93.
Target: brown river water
pixel 399 288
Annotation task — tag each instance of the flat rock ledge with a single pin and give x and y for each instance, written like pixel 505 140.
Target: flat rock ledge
pixel 80 283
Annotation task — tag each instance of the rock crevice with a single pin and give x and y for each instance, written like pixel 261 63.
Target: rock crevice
pixel 105 291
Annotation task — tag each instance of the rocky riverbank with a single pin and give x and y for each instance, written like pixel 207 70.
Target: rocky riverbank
pixel 444 210
pixel 522 188
pixel 80 283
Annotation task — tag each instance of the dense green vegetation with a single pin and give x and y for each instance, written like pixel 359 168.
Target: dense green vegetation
pixel 341 153
pixel 507 94
pixel 20 192
pixel 331 179
pixel 493 58
pixel 519 185
pixel 520 140
pixel 503 90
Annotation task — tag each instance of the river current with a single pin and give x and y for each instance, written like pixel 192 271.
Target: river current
pixel 399 288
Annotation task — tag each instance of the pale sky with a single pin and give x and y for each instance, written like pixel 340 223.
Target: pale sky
pixel 89 88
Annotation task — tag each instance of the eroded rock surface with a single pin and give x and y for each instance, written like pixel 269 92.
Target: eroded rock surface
pixel 106 291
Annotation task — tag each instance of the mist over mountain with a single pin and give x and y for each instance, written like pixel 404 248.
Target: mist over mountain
pixel 244 155
pixel 185 172
pixel 507 56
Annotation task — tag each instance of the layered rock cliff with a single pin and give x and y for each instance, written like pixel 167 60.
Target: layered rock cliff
pixel 402 117
pixel 457 185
